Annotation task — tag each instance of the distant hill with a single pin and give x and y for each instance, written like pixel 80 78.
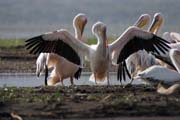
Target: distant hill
pixel 24 18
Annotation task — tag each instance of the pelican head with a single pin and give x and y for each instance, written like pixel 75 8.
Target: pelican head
pixel 40 63
pixel 143 20
pixel 79 22
pixel 156 23
pixel 99 30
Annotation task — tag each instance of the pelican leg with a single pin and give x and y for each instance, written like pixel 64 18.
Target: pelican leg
pixel 95 79
pixel 138 69
pixel 129 84
pixel 132 79
pixel 108 84
pixel 71 79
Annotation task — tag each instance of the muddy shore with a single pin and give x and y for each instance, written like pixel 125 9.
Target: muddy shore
pixel 85 102
pixel 45 103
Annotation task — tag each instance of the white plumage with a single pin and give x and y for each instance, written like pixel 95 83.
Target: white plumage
pixel 161 74
pixel 156 74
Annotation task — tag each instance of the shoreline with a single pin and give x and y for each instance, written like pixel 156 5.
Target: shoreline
pixel 92 102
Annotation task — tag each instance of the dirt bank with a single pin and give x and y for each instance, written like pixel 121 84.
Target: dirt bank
pixel 44 103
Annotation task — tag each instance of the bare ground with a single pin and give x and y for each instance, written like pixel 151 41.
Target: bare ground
pixel 45 103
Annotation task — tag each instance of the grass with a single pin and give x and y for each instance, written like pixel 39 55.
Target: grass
pixel 94 41
pixel 8 43
pixel 28 94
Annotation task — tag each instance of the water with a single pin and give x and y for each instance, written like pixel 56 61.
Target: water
pixel 30 80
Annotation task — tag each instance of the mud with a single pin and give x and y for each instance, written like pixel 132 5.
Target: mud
pixel 44 103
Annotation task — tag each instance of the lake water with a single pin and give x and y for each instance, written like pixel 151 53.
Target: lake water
pixel 30 80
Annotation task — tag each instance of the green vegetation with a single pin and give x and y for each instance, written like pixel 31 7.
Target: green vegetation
pixel 94 41
pixel 91 41
pixel 12 94
pixel 8 43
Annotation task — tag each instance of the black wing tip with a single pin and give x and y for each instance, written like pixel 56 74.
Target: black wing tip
pixel 162 39
pixel 122 72
pixel 46 75
pixel 161 44
pixel 77 75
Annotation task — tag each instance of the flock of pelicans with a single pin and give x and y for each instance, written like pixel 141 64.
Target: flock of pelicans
pixel 137 53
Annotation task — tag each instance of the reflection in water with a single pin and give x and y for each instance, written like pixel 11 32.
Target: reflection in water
pixel 26 80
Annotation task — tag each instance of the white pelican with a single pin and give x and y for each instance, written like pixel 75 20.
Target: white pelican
pixel 163 59
pixel 63 43
pixel 175 36
pixel 40 63
pixel 141 60
pixel 172 37
pixel 168 91
pixel 156 73
pixel 144 60
pixel 167 36
pixel 142 22
pixel 62 68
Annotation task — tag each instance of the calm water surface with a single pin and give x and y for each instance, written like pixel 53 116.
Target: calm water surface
pixel 30 80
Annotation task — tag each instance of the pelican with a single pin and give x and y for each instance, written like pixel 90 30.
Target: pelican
pixel 175 36
pixel 132 40
pixel 142 22
pixel 62 68
pixel 141 60
pixel 172 37
pixel 156 73
pixel 168 91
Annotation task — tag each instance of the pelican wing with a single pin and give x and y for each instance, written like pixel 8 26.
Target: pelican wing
pixel 59 42
pixel 132 40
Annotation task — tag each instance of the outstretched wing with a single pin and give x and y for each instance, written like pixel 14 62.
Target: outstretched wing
pixel 56 42
pixel 135 39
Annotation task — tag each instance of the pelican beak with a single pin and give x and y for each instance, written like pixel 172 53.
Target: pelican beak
pixel 158 20
pixel 142 21
pixel 154 26
pixel 141 24
pixel 103 34
pixel 82 25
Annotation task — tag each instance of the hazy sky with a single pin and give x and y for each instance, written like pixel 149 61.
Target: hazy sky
pixel 24 18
